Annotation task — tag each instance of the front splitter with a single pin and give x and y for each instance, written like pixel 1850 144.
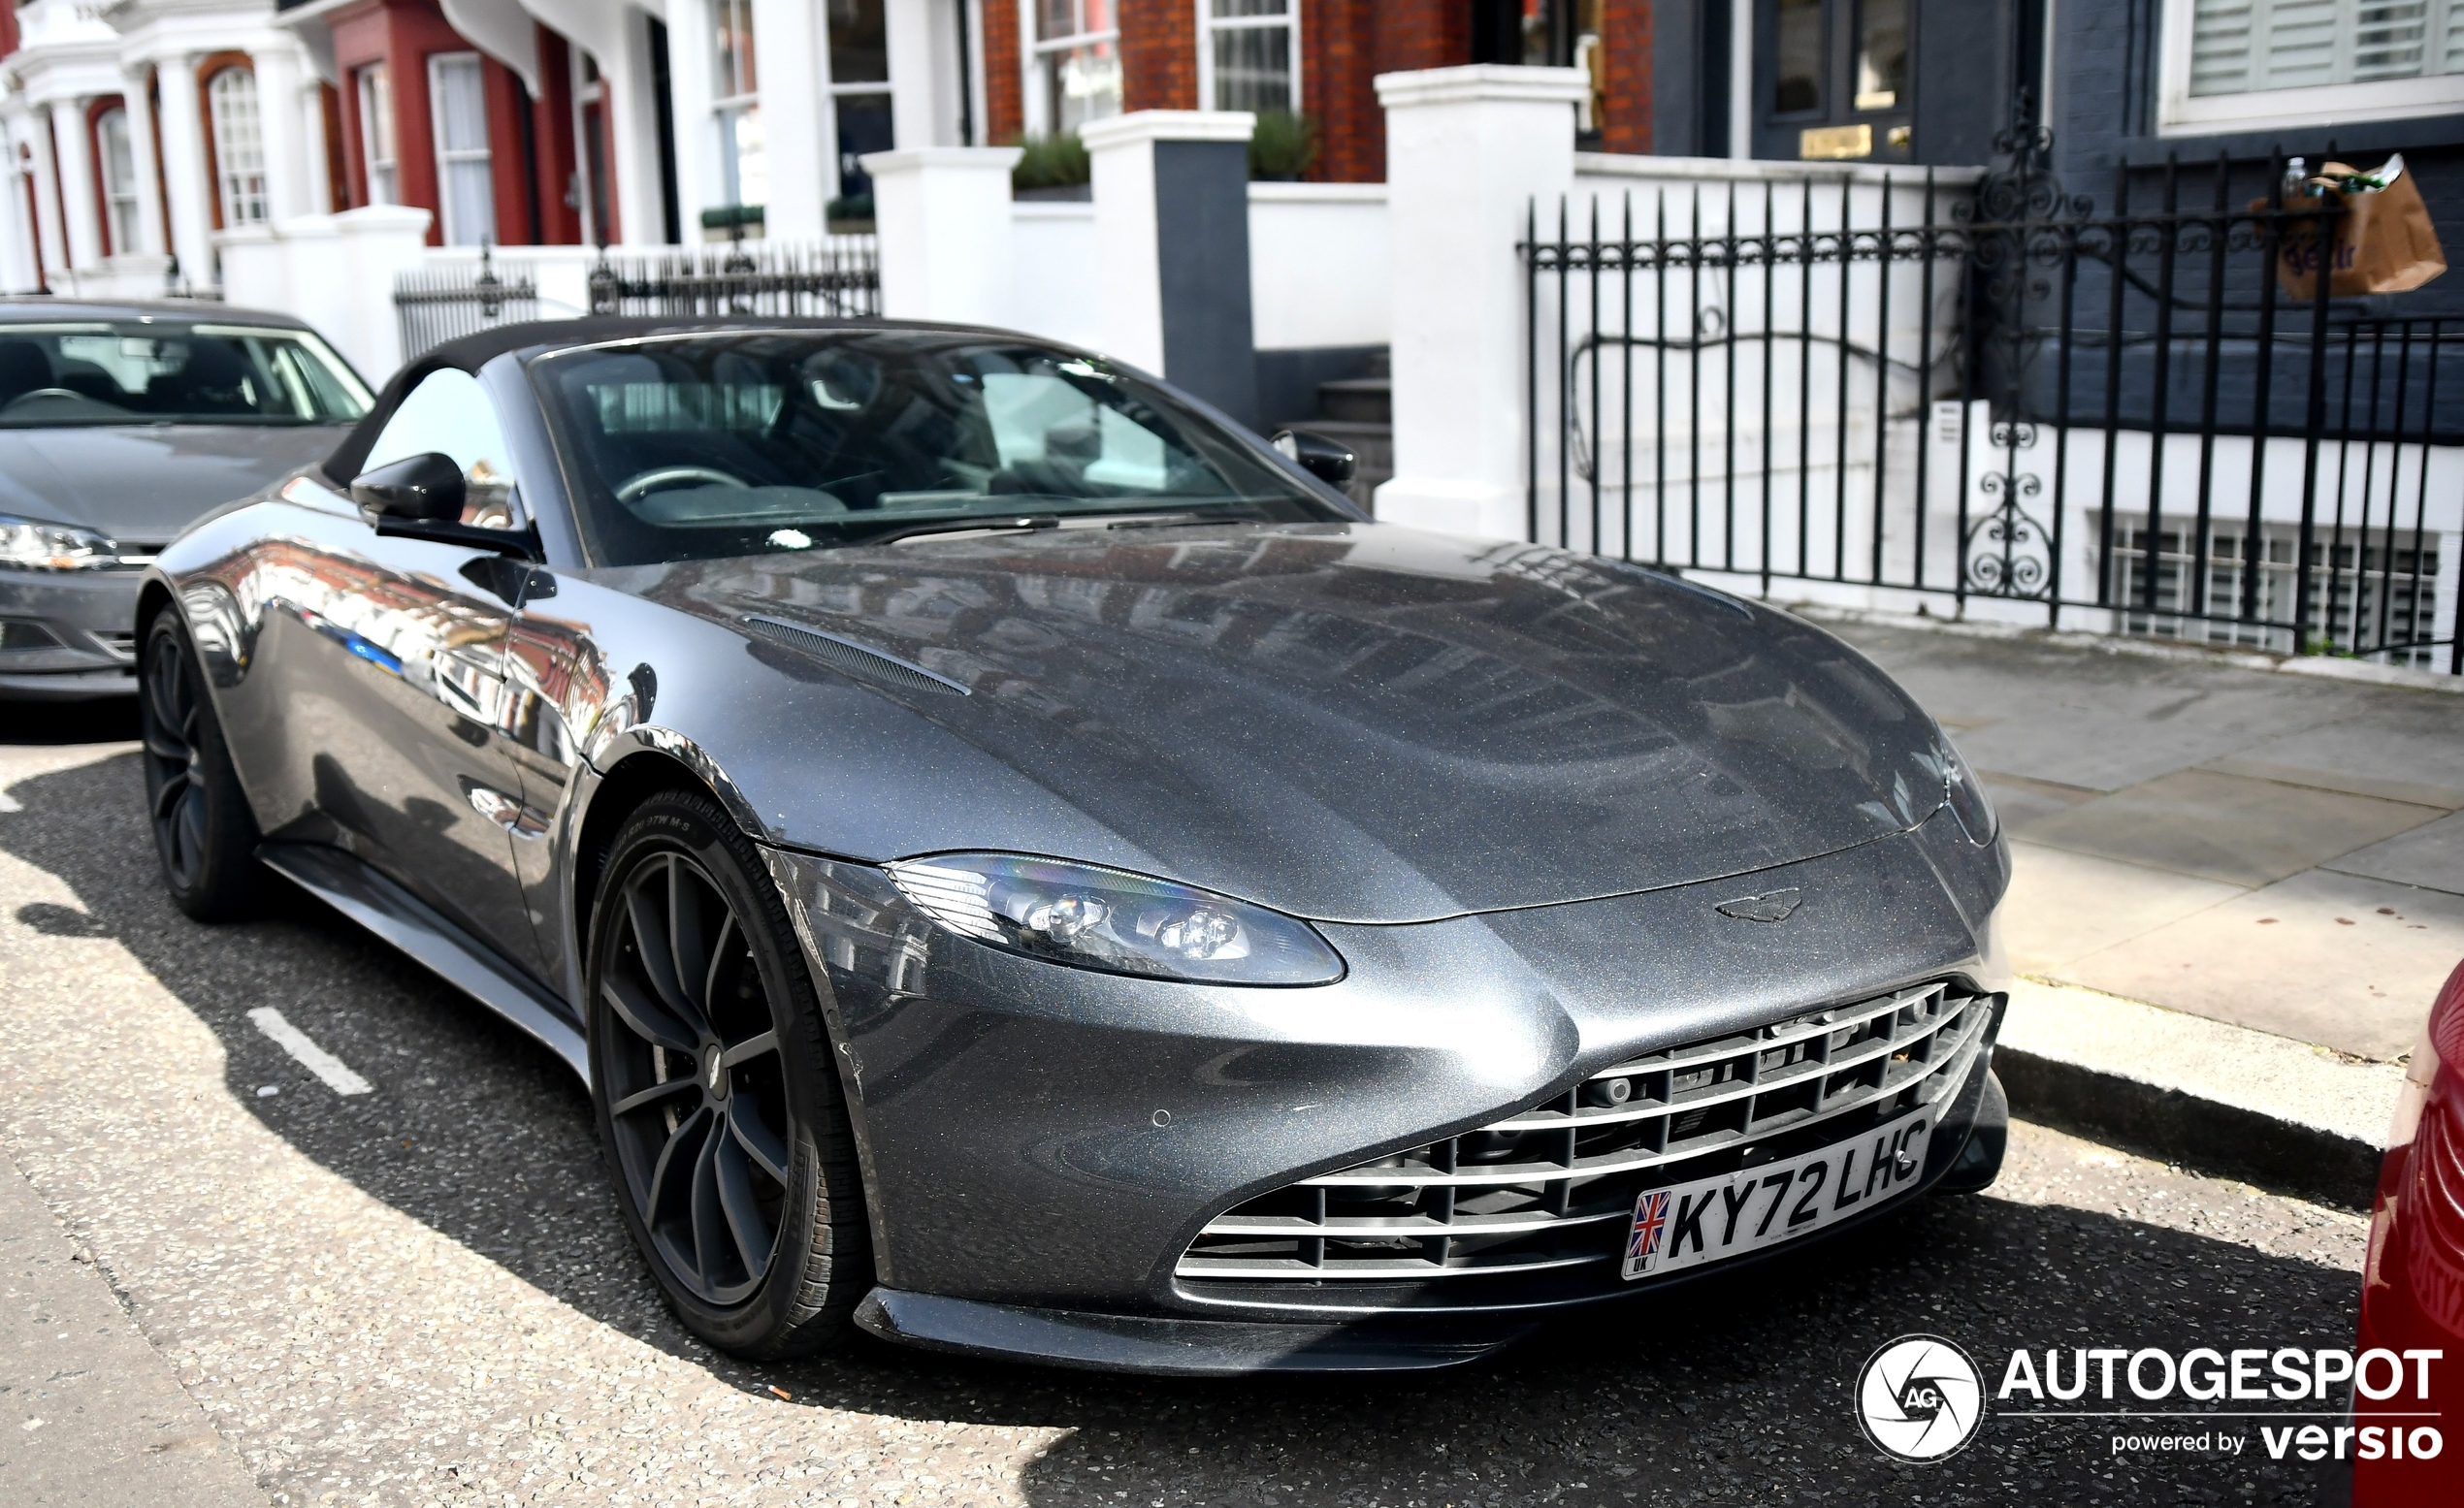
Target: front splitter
pixel 1161 1345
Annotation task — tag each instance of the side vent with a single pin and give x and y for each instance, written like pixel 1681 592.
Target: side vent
pixel 856 660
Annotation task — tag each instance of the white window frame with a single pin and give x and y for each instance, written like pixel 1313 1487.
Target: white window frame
pixel 1209 23
pixel 877 89
pixel 729 106
pixel 119 192
pixel 1042 113
pixel 447 225
pixel 2180 112
pixel 375 115
pixel 589 88
pixel 241 192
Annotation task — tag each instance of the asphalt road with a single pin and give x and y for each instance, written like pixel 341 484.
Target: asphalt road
pixel 422 1294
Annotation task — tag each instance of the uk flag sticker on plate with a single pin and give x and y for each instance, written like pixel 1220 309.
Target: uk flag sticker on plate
pixel 1736 1212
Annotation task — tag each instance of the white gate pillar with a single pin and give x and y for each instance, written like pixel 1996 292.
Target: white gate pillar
pixel 1467 152
pixel 947 233
pixel 184 178
pixel 152 236
pixel 84 226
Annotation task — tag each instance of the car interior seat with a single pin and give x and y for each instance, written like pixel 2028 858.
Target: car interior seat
pixel 211 381
pixel 23 367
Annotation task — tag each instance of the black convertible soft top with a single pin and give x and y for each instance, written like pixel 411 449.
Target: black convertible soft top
pixel 470 352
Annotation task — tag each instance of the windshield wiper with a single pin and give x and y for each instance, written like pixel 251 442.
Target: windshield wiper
pixel 998 524
pixel 1193 516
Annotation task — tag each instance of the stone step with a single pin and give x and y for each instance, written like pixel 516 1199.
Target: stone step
pixel 1358 400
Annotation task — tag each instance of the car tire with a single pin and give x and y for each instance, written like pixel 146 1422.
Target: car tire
pixel 204 835
pixel 718 1098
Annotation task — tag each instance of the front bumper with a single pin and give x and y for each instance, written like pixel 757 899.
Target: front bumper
pixel 81 631
pixel 1041 1145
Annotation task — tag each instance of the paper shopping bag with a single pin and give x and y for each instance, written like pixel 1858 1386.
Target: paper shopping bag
pixel 2384 242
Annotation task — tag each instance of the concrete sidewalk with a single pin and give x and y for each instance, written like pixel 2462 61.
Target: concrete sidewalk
pixel 2281 854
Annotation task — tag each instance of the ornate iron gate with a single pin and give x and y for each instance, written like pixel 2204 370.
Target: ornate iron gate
pixel 1991 390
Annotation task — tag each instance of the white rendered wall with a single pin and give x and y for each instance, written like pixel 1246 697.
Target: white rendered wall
pixel 947 231
pixel 1319 264
pixel 1468 151
pixel 1059 292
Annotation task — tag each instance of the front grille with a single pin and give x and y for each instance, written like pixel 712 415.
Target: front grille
pixel 1554 1186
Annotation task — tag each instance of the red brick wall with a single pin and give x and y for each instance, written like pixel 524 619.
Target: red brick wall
pixel 1414 34
pixel 1159 54
pixel 1626 34
pixel 403 34
pixel 1004 77
pixel 552 130
pixel 1338 39
pixel 1345 45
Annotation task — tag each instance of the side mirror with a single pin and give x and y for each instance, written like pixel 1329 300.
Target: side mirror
pixel 422 498
pixel 1321 457
pixel 426 489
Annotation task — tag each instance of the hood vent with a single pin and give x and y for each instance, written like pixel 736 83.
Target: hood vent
pixel 856 660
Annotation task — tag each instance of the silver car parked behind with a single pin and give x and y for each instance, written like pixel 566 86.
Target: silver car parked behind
pixel 121 424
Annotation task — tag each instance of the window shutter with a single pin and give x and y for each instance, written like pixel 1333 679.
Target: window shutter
pixel 2301 42
pixel 2221 45
pixel 2246 46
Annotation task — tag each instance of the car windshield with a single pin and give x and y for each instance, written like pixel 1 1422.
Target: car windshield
pixel 711 446
pixel 156 371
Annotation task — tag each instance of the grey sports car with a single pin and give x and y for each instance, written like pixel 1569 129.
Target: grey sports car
pixel 120 423
pixel 1026 867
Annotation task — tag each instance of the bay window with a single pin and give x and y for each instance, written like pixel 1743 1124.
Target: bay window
pixel 744 170
pixel 118 168
pixel 376 135
pixel 1074 69
pixel 859 88
pixel 239 147
pixel 2252 63
pixel 1247 58
pixel 465 178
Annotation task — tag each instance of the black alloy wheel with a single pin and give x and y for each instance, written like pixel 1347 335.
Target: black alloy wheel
pixel 719 1103
pixel 204 832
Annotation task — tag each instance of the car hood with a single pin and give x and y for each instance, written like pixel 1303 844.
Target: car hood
pixel 144 484
pixel 1363 722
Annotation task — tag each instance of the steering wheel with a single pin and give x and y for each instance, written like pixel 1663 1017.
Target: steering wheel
pixel 667 476
pixel 48 393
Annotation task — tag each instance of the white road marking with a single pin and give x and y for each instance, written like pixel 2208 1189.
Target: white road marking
pixel 336 1073
pixel 9 803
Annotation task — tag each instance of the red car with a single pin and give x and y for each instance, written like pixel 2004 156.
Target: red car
pixel 2412 1284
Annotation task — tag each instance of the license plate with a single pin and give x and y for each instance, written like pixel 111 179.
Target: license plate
pixel 1712 1219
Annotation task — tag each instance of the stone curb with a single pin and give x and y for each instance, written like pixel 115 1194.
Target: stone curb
pixel 2326 667
pixel 2220 1099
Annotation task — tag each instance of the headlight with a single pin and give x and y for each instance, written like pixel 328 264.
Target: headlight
pixel 1966 797
pixel 58 547
pixel 1114 921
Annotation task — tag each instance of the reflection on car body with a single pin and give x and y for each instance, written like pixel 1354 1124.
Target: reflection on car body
pixel 1028 870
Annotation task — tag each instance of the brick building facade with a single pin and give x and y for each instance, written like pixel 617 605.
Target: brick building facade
pixel 1336 47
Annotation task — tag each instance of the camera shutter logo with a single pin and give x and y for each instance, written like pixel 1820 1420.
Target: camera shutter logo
pixel 1920 1398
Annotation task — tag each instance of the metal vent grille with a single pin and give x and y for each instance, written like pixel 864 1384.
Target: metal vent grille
pixel 124 645
pixel 858 659
pixel 1554 1186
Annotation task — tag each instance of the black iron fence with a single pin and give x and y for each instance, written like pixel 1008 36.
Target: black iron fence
pixel 836 277
pixel 438 304
pixel 2139 417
